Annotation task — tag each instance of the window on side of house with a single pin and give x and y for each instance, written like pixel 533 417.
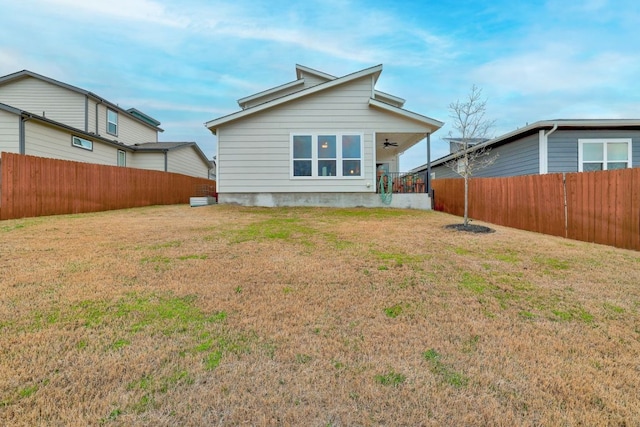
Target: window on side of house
pixel 112 122
pixel 122 158
pixel 86 144
pixel 326 155
pixel 604 154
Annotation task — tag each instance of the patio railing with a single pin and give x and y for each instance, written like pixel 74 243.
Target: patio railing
pixel 402 182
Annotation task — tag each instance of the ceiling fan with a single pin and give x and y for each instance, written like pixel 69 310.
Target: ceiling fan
pixel 388 144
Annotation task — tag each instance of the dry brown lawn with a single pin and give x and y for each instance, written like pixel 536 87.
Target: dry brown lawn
pixel 225 315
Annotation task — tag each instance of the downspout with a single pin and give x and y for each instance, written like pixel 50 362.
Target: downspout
pixel 544 149
pixel 86 113
pixel 166 160
pixel 22 138
pixel 97 116
pixel 428 177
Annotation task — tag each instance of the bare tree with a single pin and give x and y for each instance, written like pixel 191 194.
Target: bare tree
pixel 473 129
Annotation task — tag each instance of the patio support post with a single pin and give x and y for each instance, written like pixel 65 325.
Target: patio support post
pixel 428 177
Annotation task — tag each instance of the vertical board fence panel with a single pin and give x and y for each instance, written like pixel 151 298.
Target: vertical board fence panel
pixel 35 186
pixel 601 207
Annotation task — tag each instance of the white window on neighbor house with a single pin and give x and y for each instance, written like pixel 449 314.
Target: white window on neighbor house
pixel 112 122
pixel 326 155
pixel 86 144
pixel 122 158
pixel 604 154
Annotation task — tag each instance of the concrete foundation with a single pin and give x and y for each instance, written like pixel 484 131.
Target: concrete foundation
pixel 337 200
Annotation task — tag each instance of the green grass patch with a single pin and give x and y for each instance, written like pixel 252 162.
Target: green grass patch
pixel 391 378
pixel 193 256
pixel 448 375
pixel 287 229
pixel 170 244
pixel 27 391
pixel 552 263
pixel 475 283
pixel 393 311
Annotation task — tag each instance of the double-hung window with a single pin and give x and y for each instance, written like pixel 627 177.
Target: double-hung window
pixel 112 122
pixel 326 155
pixel 604 154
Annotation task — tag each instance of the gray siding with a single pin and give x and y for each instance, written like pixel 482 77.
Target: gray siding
pixel 520 157
pixel 563 147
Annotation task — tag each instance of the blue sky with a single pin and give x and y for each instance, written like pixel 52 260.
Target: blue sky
pixel 186 62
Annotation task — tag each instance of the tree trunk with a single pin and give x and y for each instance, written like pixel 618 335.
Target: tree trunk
pixel 466 200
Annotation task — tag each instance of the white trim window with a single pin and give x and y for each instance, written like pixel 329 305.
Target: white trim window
pixel 112 122
pixel 85 144
pixel 604 154
pixel 122 158
pixel 326 155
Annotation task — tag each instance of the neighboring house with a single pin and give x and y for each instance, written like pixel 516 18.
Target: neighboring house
pixel 319 140
pixel 553 146
pixel 40 116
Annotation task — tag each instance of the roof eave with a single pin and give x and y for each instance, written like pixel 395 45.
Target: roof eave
pixel 432 123
pixel 213 124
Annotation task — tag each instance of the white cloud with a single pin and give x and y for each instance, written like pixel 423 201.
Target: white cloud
pixel 132 10
pixel 555 68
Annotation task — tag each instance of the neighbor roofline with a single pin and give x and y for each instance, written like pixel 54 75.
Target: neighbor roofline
pixel 541 125
pixel 177 146
pixel 89 135
pixel 26 73
pixel 213 124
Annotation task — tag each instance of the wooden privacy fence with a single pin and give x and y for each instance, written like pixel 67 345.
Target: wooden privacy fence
pixel 601 207
pixel 36 186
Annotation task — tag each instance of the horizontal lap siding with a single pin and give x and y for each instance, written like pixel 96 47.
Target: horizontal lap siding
pixel 187 162
pixel 130 131
pixel 49 142
pixel 38 97
pixel 254 153
pixel 517 158
pixel 9 132
pixel 563 147
pixel 141 160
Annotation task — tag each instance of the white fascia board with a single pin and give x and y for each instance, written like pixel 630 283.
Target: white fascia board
pixel 302 68
pixel 212 124
pixel 392 98
pixel 432 123
pixel 246 99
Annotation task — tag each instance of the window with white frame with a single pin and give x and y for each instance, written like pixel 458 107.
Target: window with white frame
pixel 112 122
pixel 326 155
pixel 86 144
pixel 122 158
pixel 604 154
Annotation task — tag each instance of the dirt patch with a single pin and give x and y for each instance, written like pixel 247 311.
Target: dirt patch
pixel 470 228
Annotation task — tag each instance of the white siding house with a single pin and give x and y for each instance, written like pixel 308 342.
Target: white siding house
pixel 319 140
pixel 43 117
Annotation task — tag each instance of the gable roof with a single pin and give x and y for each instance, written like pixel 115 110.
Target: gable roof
pixel 534 128
pixel 380 100
pixel 214 124
pixel 132 112
pixel 161 147
pixel 301 70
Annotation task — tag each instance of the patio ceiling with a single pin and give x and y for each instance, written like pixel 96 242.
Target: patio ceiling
pixel 404 141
